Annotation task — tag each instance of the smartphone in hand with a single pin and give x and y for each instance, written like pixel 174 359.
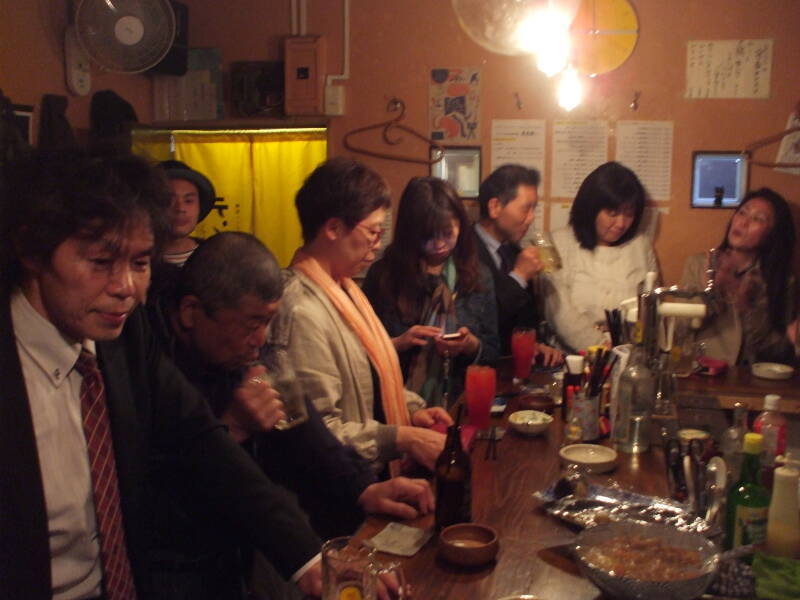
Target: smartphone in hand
pixel 453 336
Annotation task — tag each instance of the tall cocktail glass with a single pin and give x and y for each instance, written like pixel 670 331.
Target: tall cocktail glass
pixel 523 349
pixel 480 387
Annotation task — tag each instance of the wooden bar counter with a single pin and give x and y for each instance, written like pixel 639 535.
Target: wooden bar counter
pixel 531 559
pixel 738 384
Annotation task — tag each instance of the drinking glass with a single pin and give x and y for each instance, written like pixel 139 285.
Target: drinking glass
pixel 348 572
pixel 548 254
pixel 481 383
pixel 282 377
pixel 389 574
pixel 523 349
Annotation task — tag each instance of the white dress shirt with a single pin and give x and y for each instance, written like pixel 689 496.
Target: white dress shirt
pixel 54 394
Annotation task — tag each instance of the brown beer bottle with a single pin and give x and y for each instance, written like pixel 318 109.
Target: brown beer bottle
pixel 453 482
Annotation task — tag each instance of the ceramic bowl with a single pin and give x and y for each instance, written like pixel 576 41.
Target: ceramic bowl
pixel 622 585
pixel 770 370
pixel 593 457
pixel 468 544
pixel 529 422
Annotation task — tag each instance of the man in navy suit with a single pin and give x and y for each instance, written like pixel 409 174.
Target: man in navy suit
pixel 507 199
pixel 77 446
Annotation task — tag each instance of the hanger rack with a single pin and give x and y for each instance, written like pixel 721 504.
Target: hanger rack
pixel 390 134
pixel 751 148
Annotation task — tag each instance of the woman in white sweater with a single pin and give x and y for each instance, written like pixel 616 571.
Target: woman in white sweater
pixel 603 258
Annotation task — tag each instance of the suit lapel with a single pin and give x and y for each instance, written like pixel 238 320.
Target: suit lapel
pixel 24 535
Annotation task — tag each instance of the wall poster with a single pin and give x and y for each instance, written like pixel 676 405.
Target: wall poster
pixel 454 103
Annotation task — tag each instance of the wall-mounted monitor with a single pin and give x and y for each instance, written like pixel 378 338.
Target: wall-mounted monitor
pixel 719 179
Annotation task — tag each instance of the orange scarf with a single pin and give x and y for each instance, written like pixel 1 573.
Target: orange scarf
pixel 357 312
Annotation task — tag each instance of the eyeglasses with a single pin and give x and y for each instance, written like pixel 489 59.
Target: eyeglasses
pixel 373 235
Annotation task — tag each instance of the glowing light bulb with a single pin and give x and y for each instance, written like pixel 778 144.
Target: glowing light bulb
pixel 570 89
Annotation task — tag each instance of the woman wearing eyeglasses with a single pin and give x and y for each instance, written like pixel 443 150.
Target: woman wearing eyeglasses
pixel 754 290
pixel 344 359
pixel 431 292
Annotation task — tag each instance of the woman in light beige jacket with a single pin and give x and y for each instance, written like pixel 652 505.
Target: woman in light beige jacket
pixel 344 360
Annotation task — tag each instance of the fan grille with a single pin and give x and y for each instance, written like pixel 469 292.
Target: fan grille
pixel 97 25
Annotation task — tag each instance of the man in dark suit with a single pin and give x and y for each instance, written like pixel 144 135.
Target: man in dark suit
pixel 89 402
pixel 507 199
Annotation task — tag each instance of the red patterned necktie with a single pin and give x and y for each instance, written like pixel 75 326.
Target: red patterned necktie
pixel 117 577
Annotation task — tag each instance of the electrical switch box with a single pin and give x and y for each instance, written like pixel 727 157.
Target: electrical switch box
pixel 304 69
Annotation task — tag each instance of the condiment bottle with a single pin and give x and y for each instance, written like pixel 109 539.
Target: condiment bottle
pixel 772 425
pixel 453 482
pixel 748 500
pixel 732 441
pixel 572 378
pixel 637 390
pixel 783 518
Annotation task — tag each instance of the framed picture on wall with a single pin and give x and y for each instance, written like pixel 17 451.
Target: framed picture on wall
pixel 461 167
pixel 719 179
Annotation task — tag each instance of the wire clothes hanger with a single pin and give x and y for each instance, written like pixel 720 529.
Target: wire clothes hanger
pixel 391 136
pixel 751 148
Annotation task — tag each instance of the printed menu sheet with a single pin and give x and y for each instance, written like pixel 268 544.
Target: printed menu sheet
pixel 579 147
pixel 519 141
pixel 728 68
pixel 645 147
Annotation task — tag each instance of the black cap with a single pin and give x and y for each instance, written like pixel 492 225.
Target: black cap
pixel 175 169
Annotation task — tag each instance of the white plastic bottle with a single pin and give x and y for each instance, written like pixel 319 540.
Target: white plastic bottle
pixel 783 518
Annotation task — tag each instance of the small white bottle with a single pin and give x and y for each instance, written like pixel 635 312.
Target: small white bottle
pixel 783 518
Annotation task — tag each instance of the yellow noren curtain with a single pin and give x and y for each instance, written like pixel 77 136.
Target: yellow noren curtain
pixel 256 176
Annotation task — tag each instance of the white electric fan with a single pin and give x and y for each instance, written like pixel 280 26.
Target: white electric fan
pixel 125 36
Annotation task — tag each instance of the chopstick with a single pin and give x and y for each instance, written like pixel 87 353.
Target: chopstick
pixel 491 446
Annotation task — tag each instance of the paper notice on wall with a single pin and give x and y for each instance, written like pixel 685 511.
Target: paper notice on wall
pixel 728 68
pixel 579 147
pixel 789 150
pixel 645 147
pixel 559 215
pixel 649 226
pixel 519 141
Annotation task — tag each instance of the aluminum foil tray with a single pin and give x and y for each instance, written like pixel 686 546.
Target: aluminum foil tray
pixel 603 504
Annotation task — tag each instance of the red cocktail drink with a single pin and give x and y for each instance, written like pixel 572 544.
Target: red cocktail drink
pixel 480 387
pixel 523 349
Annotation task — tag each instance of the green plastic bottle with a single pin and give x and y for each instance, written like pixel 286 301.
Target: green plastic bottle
pixel 748 500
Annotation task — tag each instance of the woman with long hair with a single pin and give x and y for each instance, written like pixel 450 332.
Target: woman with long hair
pixel 431 292
pixel 754 291
pixel 603 253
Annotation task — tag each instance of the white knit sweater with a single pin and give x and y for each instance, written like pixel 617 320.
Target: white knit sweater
pixel 591 281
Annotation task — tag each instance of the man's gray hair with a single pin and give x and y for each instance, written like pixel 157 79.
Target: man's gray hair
pixel 228 266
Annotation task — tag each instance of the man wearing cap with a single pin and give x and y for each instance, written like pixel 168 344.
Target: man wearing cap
pixel 193 198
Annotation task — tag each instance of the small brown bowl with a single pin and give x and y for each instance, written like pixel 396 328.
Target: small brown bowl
pixel 468 544
pixel 536 402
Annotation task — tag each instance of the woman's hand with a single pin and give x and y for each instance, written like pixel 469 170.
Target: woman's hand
pixel 428 417
pixel 417 335
pixel 467 344
pixel 423 445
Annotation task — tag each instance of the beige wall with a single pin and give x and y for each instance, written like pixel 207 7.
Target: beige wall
pixel 395 44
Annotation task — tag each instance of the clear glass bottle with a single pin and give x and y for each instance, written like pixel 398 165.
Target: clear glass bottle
pixel 666 386
pixel 748 500
pixel 732 441
pixel 637 390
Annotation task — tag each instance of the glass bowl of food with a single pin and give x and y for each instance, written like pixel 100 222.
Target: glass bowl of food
pixel 634 561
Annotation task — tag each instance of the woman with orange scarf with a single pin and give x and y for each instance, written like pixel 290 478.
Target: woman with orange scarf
pixel 343 357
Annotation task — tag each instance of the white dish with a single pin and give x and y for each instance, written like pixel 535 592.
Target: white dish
pixel 529 422
pixel 596 458
pixel 769 370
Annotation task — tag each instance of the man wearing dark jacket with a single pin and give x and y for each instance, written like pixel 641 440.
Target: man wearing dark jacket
pixel 507 199
pixel 89 402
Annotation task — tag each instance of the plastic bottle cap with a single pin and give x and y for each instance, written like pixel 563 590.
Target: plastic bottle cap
pixel 753 443
pixel 772 402
pixel 575 364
